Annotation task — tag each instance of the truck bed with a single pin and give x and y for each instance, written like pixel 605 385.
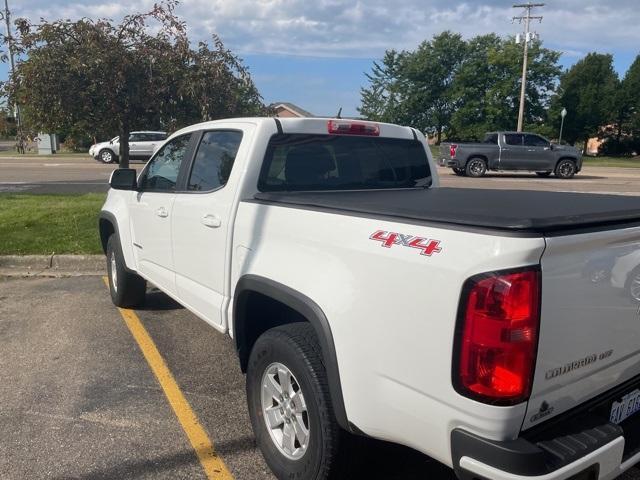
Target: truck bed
pixel 507 210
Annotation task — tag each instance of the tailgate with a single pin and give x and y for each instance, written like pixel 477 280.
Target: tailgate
pixel 590 323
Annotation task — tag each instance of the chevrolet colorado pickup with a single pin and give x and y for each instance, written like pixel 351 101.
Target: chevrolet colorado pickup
pixel 503 151
pixel 365 299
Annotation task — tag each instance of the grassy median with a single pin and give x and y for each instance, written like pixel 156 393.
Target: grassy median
pixel 46 224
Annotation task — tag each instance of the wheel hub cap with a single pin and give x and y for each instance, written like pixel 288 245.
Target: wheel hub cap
pixel 284 410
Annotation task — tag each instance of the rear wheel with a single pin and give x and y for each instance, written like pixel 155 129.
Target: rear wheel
pixel 565 169
pixel 459 171
pixel 127 289
pixel 290 406
pixel 543 174
pixel 476 167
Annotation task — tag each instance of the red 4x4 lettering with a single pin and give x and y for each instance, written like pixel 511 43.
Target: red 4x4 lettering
pixel 427 246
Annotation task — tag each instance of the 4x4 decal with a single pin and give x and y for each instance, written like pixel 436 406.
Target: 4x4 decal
pixel 428 246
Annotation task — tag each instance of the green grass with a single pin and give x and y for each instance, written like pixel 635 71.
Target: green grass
pixel 625 162
pixel 46 224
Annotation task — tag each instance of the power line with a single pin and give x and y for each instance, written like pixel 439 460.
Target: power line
pixel 526 18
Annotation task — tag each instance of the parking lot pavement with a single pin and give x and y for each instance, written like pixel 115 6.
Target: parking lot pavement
pixel 78 399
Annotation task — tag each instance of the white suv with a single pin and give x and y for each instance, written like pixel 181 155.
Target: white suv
pixel 141 146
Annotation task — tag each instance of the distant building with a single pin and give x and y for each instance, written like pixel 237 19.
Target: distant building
pixel 289 110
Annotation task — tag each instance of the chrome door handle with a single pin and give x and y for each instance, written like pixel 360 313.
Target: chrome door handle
pixel 162 212
pixel 212 221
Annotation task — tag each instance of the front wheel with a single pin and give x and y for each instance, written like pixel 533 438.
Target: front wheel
pixel 290 406
pixel 106 156
pixel 127 289
pixel 565 169
pixel 476 167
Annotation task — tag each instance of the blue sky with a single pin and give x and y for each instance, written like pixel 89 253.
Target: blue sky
pixel 314 53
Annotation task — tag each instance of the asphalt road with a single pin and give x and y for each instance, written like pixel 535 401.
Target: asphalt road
pixel 79 401
pixel 80 174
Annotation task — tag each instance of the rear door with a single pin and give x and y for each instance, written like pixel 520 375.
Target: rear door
pixel 590 320
pixel 512 154
pixel 202 221
pixel 536 155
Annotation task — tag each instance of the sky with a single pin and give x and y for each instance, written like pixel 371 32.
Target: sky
pixel 315 53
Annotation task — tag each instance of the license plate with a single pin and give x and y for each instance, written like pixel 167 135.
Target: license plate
pixel 627 406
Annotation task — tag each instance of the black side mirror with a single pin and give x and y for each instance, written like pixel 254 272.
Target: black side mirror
pixel 123 179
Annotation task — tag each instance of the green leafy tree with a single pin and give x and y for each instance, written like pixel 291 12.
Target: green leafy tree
pixel 382 100
pixel 429 73
pixel 488 86
pixel 94 77
pixel 587 90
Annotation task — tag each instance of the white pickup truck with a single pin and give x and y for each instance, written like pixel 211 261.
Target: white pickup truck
pixel 365 299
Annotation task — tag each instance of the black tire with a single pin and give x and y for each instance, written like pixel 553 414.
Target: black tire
pixel 476 167
pixel 107 156
pixel 543 174
pixel 127 289
pixel 459 171
pixel 296 347
pixel 566 169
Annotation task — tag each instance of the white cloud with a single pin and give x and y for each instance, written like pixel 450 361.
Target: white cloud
pixel 365 28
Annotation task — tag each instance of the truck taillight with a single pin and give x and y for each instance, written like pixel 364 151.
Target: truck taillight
pixel 348 127
pixel 498 336
pixel 452 150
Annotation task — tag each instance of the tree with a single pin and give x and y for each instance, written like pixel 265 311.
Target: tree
pixel 95 77
pixel 587 90
pixel 488 86
pixel 382 100
pixel 458 88
pixel 430 71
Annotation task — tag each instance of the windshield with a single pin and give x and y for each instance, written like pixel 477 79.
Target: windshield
pixel 300 162
pixel 115 139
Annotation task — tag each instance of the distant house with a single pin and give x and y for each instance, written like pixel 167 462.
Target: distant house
pixel 289 110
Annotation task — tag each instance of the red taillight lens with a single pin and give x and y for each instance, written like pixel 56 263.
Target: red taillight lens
pixel 499 336
pixel 344 127
pixel 452 150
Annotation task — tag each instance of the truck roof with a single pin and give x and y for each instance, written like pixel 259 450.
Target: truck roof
pixel 507 210
pixel 315 125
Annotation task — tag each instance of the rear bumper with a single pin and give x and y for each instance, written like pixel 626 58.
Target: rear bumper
pixel 449 162
pixel 581 448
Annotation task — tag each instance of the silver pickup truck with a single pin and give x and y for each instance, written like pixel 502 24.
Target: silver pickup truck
pixel 511 151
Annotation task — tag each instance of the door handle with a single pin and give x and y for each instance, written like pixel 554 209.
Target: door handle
pixel 212 221
pixel 162 212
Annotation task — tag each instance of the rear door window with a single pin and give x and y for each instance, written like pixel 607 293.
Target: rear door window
pixel 214 160
pixel 300 162
pixel 513 139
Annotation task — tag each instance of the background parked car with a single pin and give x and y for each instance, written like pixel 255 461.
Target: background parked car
pixel 141 146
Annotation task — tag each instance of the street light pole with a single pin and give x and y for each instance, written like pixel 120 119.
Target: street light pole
pixel 527 20
pixel 563 114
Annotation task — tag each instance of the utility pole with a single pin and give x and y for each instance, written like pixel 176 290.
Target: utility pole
pixel 7 19
pixel 526 18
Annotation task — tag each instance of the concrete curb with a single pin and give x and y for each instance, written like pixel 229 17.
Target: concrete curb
pixel 51 265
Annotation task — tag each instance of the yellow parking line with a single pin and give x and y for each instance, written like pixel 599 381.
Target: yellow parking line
pixel 212 464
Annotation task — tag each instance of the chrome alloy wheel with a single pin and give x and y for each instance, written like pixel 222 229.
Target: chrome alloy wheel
pixel 114 272
pixel 634 287
pixel 476 167
pixel 285 411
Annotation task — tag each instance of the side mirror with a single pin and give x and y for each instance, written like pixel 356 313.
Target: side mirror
pixel 123 179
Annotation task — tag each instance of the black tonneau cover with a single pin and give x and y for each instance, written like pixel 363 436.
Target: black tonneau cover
pixel 511 210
